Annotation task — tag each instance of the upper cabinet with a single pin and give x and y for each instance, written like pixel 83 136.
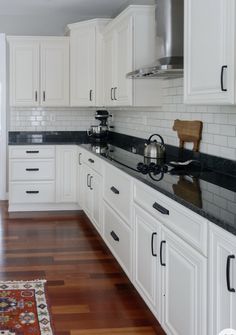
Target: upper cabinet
pixel 209 52
pixel 39 71
pixel 129 43
pixel 86 62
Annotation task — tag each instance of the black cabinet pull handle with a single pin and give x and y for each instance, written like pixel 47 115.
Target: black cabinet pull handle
pixel 36 96
pixel 91 160
pixel 112 93
pixel 90 95
pixel 32 151
pixel 152 246
pixel 36 169
pixel 32 192
pixel 222 78
pixel 160 209
pixel 114 236
pixel 44 96
pixel 88 180
pixel 161 250
pixel 80 158
pixel 230 289
pixel 114 190
pixel 90 184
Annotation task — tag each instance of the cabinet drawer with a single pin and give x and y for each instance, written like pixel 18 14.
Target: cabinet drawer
pixel 118 191
pixel 118 238
pixel 32 151
pixel 32 169
pixel 32 192
pixel 188 225
pixel 91 160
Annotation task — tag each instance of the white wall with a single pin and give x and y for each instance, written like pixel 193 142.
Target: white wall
pixel 36 25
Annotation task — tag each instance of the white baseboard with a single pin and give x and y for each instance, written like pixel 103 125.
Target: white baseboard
pixel 43 207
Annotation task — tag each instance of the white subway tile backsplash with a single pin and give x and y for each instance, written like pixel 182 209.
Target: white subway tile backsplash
pixel 219 122
pixel 51 119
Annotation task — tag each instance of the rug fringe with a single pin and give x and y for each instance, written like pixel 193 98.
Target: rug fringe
pixel 23 281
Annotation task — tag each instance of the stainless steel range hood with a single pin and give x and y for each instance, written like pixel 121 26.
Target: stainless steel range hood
pixel 169 40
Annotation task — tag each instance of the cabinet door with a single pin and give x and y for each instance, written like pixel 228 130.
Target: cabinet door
pixel 66 173
pixel 96 195
pixel 55 72
pixel 86 197
pixel 147 272
pixel 123 62
pixel 209 51
pixel 109 54
pixel 24 73
pixel 83 66
pixel 222 304
pixel 184 287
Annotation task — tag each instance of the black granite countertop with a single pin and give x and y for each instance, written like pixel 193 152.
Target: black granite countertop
pixel 47 137
pixel 209 191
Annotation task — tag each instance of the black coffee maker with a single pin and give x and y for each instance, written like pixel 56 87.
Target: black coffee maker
pixel 100 132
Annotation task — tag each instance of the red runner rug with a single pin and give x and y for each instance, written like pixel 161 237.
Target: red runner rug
pixel 24 309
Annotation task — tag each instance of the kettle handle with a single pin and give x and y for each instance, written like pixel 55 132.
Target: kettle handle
pixel 162 141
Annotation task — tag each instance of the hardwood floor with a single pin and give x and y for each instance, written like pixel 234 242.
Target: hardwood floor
pixel 88 291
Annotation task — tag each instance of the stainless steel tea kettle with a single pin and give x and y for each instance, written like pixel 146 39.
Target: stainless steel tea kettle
pixel 154 149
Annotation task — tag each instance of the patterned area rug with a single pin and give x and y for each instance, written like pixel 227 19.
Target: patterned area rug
pixel 23 308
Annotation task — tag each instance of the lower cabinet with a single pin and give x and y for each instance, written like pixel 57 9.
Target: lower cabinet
pixel 171 276
pixel 222 280
pixel 147 274
pixel 91 195
pixel 184 287
pixel 42 177
pixel 118 237
pixel 66 173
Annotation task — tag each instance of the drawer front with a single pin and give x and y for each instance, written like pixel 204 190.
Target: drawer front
pixel 188 225
pixel 91 160
pixel 32 151
pixel 32 170
pixel 32 192
pixel 118 238
pixel 118 191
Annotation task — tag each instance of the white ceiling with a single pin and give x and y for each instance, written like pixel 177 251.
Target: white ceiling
pixel 84 8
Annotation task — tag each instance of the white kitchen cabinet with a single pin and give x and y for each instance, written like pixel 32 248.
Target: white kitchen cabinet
pixel 147 272
pixel 66 173
pixel 222 280
pixel 118 237
pixel 55 72
pixel 31 177
pixel 24 72
pixel 86 62
pixel 118 62
pixel 39 71
pixel 90 193
pixel 130 43
pixel 184 290
pixel 209 69
pixel 42 177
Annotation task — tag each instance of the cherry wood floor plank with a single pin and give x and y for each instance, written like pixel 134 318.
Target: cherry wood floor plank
pixel 88 291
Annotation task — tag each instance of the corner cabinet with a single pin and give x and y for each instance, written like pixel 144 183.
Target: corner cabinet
pixel 129 43
pixel 66 173
pixel 222 280
pixel 39 71
pixel 89 195
pixel 86 62
pixel 209 69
